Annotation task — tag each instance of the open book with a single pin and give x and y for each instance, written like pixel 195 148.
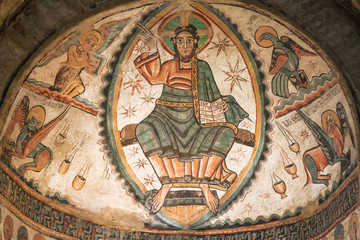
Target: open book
pixel 211 112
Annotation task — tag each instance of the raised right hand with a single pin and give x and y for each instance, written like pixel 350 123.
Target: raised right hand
pixel 148 38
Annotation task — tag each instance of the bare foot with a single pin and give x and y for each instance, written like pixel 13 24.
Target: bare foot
pixel 211 201
pixel 158 200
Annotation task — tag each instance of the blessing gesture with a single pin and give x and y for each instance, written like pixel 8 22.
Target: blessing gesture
pixel 148 38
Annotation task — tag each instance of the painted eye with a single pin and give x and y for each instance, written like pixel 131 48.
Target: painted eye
pixel 180 41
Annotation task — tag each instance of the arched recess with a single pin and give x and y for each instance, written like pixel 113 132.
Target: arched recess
pixel 49 40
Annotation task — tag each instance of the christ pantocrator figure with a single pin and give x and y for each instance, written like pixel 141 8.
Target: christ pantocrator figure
pixel 192 127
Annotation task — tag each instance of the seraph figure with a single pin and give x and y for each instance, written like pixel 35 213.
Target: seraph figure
pixel 329 150
pixel 284 62
pixel 32 132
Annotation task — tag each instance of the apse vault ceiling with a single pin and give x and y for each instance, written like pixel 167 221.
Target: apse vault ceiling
pixel 179 119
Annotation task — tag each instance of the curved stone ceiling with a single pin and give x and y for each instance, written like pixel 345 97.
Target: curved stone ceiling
pixel 168 119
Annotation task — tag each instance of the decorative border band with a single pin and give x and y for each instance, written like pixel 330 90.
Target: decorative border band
pixel 47 218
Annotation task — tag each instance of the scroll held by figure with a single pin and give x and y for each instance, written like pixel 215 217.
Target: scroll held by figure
pixel 189 133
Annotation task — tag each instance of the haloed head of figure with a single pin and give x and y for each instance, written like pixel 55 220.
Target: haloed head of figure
pixel 185 42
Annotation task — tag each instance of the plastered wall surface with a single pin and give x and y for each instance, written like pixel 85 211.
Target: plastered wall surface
pixel 180 119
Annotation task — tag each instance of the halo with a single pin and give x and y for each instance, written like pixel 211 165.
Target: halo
pixel 324 117
pixel 260 31
pixel 184 18
pixel 93 34
pixel 38 112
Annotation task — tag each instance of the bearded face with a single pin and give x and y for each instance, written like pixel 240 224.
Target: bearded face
pixel 185 45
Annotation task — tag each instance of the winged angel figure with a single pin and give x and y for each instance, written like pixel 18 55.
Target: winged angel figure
pixel 284 61
pixel 83 53
pixel 330 139
pixel 32 132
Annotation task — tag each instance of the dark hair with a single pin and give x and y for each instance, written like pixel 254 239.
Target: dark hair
pixel 190 29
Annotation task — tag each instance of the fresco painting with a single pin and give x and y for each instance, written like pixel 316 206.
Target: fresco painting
pixel 284 61
pixel 347 229
pixel 187 116
pixel 14 228
pixel 22 233
pixel 8 227
pixel 32 132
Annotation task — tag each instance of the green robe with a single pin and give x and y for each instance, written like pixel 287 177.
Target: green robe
pixel 176 132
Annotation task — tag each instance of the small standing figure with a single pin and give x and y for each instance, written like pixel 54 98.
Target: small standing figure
pixel 353 227
pixel 344 122
pixel 32 132
pixel 67 80
pixel 339 232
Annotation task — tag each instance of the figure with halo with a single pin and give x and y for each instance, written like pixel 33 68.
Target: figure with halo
pixel 284 61
pixel 329 151
pixel 68 80
pixel 192 128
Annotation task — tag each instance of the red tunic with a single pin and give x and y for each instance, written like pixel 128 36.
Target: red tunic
pixel 168 73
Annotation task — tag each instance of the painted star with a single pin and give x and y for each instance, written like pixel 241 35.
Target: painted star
pixel 134 151
pixel 139 48
pixel 134 84
pixel 241 152
pixel 148 98
pixel 234 75
pixel 246 125
pixel 221 45
pixel 312 65
pixel 129 112
pixel 149 180
pixel 305 134
pixel 141 163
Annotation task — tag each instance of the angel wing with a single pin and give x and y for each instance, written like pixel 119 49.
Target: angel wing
pixel 19 116
pixel 344 121
pixel 110 31
pixel 279 84
pixel 63 48
pixel 278 60
pixel 43 132
pixel 321 137
pixel 299 51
